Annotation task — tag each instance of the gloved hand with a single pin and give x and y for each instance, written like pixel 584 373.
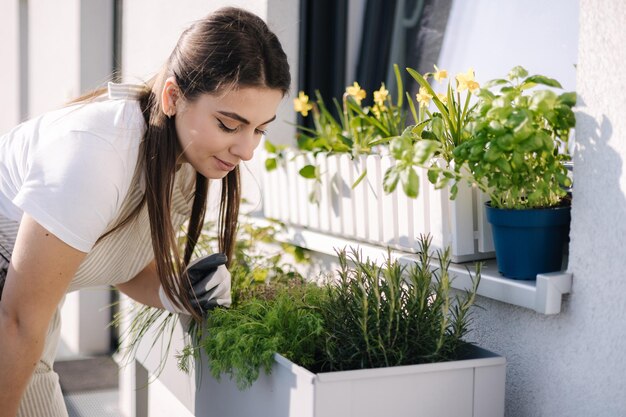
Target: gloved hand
pixel 210 282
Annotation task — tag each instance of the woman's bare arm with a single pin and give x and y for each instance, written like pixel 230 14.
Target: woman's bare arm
pixel 144 287
pixel 41 269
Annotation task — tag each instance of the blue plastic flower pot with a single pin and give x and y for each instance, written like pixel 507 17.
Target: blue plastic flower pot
pixel 529 242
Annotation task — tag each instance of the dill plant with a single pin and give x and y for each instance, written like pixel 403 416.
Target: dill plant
pixel 255 274
pixel 242 341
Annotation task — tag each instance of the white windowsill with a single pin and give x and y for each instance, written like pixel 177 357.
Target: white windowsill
pixel 543 295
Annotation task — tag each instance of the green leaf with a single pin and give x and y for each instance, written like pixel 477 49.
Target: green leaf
pixel 399 146
pixel 517 160
pixel 358 180
pixel 433 175
pixel 269 147
pixel 504 166
pixel 517 72
pixel 308 171
pixel 454 189
pixel 540 79
pixel 424 150
pixel 410 182
pixel 390 180
pixel 495 82
pixel 438 127
pixel 568 99
pixel 271 164
pixel 409 100
pixel 505 142
pixel 500 113
pixel 424 83
pixel 543 101
pixel 492 154
pixel 399 84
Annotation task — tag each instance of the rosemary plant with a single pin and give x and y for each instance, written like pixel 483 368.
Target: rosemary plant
pixel 390 315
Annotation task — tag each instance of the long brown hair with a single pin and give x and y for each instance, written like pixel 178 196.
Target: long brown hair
pixel 228 49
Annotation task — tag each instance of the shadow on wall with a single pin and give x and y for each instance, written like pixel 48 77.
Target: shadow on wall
pixel 597 191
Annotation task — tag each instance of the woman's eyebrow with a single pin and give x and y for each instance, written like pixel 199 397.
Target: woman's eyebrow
pixel 242 119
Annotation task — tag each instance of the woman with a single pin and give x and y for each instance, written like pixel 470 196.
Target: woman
pixel 94 193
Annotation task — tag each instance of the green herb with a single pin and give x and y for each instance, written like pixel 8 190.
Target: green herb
pixel 372 316
pixel 256 273
pixel 379 316
pixel 240 342
pixel 512 143
pixel 519 142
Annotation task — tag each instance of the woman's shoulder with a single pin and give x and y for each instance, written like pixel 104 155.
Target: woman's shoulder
pixel 114 117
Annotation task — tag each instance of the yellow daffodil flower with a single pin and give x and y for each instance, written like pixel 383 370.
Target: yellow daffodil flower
pixel 443 98
pixel 440 74
pixel 465 81
pixel 301 104
pixel 356 92
pixel 473 86
pixel 423 98
pixel 378 110
pixel 380 96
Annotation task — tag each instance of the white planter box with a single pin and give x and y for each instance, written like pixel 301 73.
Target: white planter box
pixel 367 214
pixel 466 388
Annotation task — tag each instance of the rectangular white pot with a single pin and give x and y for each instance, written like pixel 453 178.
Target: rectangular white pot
pixel 472 387
pixel 366 213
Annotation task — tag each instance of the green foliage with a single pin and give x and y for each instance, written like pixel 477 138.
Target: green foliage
pixel 372 316
pixel 511 143
pixel 357 130
pixel 242 341
pixel 519 142
pixel 390 315
pixel 430 142
pixel 256 273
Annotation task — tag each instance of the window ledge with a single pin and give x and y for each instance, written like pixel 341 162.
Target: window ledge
pixel 544 295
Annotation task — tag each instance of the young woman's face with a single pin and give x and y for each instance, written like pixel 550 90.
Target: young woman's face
pixel 216 132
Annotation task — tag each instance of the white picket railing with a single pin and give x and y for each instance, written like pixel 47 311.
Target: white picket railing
pixel 367 214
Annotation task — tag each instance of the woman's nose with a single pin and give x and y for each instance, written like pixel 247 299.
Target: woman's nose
pixel 245 146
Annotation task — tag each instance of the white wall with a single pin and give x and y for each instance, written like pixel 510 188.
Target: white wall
pixel 493 36
pixel 571 364
pixel 51 52
pixel 10 77
pixel 53 48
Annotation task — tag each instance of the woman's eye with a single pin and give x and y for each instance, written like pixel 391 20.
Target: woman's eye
pixel 260 132
pixel 225 128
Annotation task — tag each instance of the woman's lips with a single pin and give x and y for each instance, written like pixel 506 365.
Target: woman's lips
pixel 223 165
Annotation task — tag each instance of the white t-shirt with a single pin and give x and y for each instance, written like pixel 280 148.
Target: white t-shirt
pixel 70 169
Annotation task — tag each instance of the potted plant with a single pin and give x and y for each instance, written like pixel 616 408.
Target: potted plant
pixel 423 163
pixel 516 151
pixel 349 167
pixel 518 154
pixel 381 340
pixel 323 183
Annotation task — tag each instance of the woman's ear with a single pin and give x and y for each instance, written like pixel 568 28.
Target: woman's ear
pixel 170 96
